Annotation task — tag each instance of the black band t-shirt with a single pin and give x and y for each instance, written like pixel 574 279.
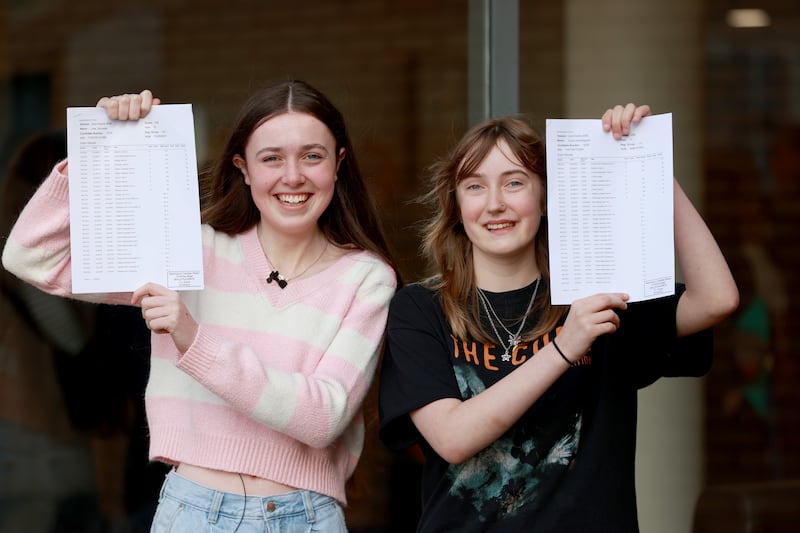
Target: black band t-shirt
pixel 568 463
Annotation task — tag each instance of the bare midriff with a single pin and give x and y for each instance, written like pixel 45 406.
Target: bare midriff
pixel 231 482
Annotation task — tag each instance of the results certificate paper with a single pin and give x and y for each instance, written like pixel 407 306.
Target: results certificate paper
pixel 610 209
pixel 134 200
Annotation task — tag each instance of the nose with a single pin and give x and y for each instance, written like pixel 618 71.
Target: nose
pixel 495 202
pixel 293 174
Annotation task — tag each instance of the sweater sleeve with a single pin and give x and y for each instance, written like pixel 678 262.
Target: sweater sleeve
pixel 37 249
pixel 313 407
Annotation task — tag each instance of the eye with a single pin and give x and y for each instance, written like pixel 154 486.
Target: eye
pixel 269 158
pixel 313 156
pixel 517 181
pixel 470 185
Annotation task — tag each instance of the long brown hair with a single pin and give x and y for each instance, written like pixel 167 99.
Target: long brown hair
pixel 445 243
pixel 349 220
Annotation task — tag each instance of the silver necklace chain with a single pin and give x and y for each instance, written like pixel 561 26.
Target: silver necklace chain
pixel 514 339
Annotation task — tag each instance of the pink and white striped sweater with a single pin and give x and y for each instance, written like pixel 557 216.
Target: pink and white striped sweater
pixel 272 385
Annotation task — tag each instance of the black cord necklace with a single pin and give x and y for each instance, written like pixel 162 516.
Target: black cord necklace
pixel 282 282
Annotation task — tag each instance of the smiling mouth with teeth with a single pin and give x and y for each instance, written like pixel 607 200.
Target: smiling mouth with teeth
pixel 499 226
pixel 292 199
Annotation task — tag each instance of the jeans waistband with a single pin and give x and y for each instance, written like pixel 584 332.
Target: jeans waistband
pixel 229 504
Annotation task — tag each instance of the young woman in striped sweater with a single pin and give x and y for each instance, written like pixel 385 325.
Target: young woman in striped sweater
pixel 257 380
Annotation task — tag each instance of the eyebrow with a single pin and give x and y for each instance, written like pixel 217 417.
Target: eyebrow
pixel 504 174
pixel 303 148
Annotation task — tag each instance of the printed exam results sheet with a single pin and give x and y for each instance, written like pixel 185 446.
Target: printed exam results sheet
pixel 134 200
pixel 610 209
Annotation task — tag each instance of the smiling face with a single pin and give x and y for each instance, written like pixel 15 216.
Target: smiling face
pixel 290 164
pixel 501 205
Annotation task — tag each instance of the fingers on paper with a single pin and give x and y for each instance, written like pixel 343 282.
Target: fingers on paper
pixel 128 106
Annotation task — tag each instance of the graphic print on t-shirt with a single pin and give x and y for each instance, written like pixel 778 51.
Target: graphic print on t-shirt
pixel 576 476
pixel 519 469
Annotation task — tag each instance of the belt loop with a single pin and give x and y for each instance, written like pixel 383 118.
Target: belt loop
pixel 309 506
pixel 163 488
pixel 164 485
pixel 216 503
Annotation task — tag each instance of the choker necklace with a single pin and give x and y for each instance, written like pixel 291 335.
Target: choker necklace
pixel 513 338
pixel 283 282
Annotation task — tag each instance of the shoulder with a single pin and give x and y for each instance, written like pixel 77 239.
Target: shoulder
pixel 415 304
pixel 212 236
pixel 416 294
pixel 233 248
pixel 362 266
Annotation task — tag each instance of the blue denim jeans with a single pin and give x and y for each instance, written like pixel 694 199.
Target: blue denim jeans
pixel 186 507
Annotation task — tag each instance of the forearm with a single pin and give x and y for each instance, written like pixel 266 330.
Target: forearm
pixel 306 384
pixel 457 430
pixel 711 294
pixel 313 408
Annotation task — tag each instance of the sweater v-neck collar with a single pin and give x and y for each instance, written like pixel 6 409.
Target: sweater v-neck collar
pixel 255 262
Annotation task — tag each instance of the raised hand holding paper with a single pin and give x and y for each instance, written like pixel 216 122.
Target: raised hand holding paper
pixel 610 209
pixel 134 201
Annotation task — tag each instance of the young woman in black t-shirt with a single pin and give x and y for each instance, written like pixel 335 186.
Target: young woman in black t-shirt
pixel 525 411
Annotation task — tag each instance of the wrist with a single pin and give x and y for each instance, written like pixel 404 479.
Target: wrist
pixel 563 356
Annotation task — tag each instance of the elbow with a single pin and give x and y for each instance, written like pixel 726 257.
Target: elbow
pixel 17 260
pixel 8 264
pixel 709 307
pixel 316 437
pixel 733 303
pixel 722 306
pixel 13 265
pixel 453 451
pixel 319 443
pixel 726 304
pixel 454 455
pixel 331 434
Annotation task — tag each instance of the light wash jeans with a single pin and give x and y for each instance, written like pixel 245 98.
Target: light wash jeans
pixel 187 507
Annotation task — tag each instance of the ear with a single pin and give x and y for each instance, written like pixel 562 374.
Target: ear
pixel 241 164
pixel 339 159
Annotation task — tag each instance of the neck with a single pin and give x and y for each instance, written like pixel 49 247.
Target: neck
pixel 503 274
pixel 290 255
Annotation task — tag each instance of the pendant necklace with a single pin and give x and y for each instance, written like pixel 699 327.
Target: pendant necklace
pixel 281 281
pixel 514 339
